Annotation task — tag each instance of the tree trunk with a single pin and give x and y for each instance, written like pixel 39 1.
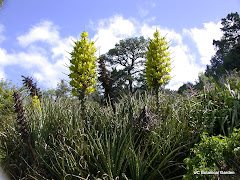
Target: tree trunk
pixel 130 81
pixel 130 86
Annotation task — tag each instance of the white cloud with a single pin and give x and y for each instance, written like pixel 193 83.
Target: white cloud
pixel 184 67
pixel 203 39
pixel 3 57
pixel 45 31
pixel 142 12
pixel 143 9
pixel 47 63
pixel 170 34
pixel 63 47
pixel 110 31
pixel 2 29
pixel 37 65
pixel 46 72
pixel 2 74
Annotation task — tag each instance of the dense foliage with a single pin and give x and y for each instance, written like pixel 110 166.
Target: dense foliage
pixel 218 154
pixel 52 135
pixel 6 101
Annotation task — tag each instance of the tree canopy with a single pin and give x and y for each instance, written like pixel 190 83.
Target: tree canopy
pixel 227 54
pixel 127 59
pixel 62 89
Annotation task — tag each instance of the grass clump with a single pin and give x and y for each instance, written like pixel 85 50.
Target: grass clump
pixel 105 145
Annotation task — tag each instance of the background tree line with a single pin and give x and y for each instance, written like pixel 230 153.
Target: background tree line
pixel 227 57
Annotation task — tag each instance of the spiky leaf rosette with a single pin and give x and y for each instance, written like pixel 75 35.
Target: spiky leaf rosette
pixel 158 62
pixel 82 69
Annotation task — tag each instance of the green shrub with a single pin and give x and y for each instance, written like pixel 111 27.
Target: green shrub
pixel 6 104
pixel 214 154
pixel 217 107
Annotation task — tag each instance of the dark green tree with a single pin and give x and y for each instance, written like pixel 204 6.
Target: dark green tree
pixel 232 59
pixel 128 56
pixel 62 89
pixel 50 93
pixel 226 57
pixel 184 88
pixel 1 3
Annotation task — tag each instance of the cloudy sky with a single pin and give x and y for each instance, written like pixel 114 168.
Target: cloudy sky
pixel 36 35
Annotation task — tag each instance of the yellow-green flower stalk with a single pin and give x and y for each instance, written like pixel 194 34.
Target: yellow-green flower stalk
pixel 158 63
pixel 36 103
pixel 83 68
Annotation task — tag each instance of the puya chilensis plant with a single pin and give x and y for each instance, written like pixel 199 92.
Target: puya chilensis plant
pixel 23 126
pixel 106 80
pixel 35 92
pixel 158 63
pixel 83 69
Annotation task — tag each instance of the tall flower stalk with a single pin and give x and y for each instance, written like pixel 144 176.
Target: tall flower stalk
pixel 83 69
pixel 23 126
pixel 35 92
pixel 158 63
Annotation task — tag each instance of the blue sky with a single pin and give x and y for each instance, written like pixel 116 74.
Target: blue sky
pixel 35 35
